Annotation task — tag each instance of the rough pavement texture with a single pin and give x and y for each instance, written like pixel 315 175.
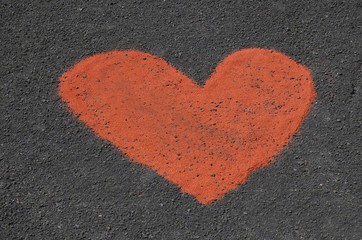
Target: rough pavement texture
pixel 59 181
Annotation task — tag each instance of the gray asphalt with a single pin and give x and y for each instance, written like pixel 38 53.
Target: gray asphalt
pixel 59 181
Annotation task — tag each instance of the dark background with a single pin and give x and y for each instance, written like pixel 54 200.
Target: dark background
pixel 60 181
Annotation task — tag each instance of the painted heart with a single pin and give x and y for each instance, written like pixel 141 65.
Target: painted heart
pixel 206 139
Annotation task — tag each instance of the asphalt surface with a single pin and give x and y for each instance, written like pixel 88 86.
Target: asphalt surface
pixel 60 181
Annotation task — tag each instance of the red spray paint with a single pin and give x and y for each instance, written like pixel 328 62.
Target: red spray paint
pixel 206 139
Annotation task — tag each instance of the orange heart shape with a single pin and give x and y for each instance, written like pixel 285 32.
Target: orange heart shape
pixel 206 139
